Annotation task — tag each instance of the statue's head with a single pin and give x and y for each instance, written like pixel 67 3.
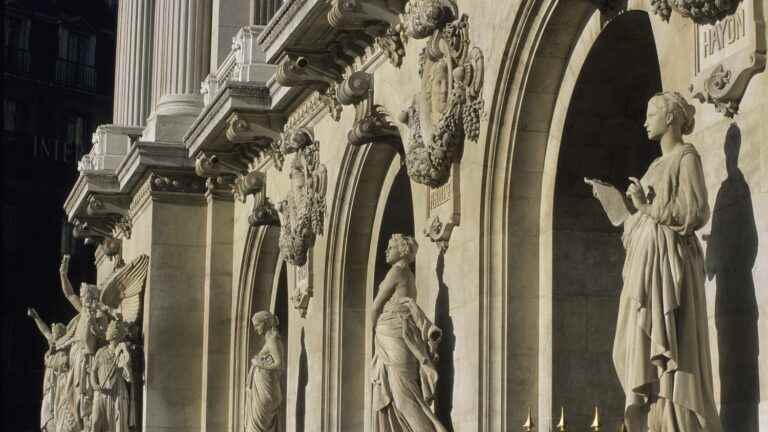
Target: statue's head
pixel 264 321
pixel 437 88
pixel 401 247
pixel 669 110
pixel 58 330
pixel 115 331
pixel 89 294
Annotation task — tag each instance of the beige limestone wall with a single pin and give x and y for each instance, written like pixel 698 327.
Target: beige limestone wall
pixel 457 274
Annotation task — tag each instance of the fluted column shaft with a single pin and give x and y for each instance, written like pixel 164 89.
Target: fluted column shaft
pixel 133 65
pixel 181 54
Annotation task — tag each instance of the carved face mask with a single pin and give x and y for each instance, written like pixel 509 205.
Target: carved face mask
pixel 439 90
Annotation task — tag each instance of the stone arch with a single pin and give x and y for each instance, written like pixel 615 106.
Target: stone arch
pixel 548 46
pixel 259 270
pixel 355 221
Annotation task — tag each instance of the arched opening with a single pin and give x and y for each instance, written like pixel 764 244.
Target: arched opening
pixel 603 137
pixel 280 309
pixel 255 292
pixel 543 59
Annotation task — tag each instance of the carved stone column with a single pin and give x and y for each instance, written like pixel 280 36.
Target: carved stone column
pixel 133 63
pixel 181 62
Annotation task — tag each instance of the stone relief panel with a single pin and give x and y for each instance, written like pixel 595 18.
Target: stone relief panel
pixel 448 108
pixel 728 54
pixel 91 366
pixel 303 290
pixel 302 212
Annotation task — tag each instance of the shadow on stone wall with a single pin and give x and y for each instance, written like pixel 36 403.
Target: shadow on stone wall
pixel 445 366
pixel 731 255
pixel 303 380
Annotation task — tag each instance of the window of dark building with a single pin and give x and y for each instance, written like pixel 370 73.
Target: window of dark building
pixel 16 44
pixel 14 116
pixel 76 129
pixel 77 59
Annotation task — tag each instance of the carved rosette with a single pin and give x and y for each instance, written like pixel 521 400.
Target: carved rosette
pixel 449 106
pixel 302 212
pixel 699 11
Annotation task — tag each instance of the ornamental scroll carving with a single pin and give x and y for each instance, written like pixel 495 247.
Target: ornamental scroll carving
pixel 448 108
pixel 372 124
pixel 302 212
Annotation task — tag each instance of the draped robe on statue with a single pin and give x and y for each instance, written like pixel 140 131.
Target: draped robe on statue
pixel 263 394
pixel 111 395
pixel 54 381
pixel 661 350
pixel 404 375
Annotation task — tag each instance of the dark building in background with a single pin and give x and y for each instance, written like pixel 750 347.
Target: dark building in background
pixel 58 73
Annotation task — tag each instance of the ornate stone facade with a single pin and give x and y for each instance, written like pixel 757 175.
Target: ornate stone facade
pixel 336 124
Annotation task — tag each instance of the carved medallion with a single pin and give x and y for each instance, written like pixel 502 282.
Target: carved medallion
pixel 728 54
pixel 447 110
pixel 302 212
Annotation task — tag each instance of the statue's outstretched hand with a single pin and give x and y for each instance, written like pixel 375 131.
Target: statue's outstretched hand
pixel 31 312
pixel 64 267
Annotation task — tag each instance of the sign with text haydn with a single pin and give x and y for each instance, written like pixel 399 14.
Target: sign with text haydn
pixel 728 53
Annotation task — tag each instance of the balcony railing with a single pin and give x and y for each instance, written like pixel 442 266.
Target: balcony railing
pixel 265 10
pixel 75 74
pixel 16 60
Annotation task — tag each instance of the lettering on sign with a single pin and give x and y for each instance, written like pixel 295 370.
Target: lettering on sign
pixel 728 53
pixel 716 41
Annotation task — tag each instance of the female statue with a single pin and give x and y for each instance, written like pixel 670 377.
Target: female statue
pixel 661 348
pixel 263 392
pixel 56 365
pixel 403 370
pixel 109 378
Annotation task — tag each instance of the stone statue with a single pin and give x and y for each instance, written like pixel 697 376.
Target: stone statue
pixel 84 333
pixel 110 376
pixel 263 389
pixel 405 341
pixel 118 300
pixel 661 348
pixel 54 378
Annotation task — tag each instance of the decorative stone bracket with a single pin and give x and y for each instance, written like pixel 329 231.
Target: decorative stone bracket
pixel 372 123
pixel 316 70
pixel 110 214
